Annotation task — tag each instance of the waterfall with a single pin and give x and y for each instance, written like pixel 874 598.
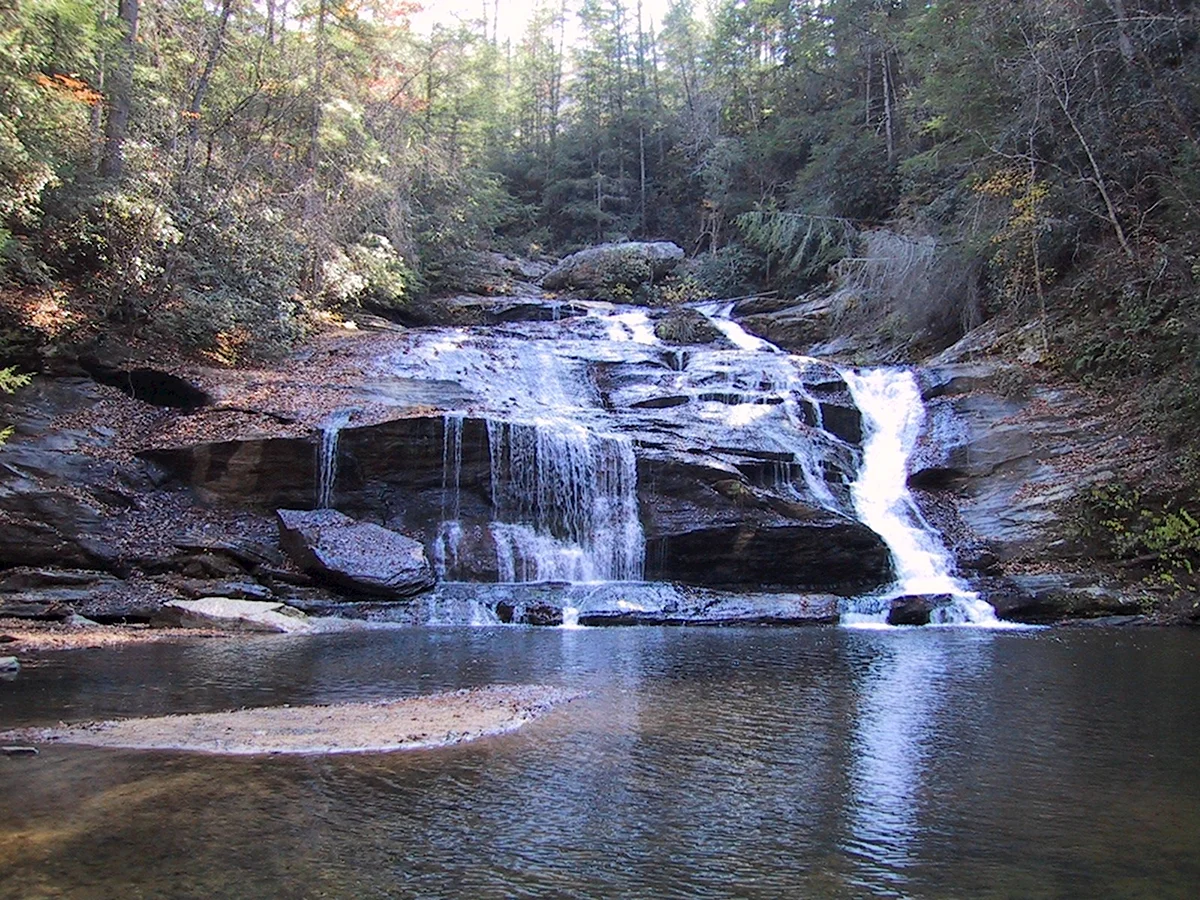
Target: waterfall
pixel 565 501
pixel 892 412
pixel 720 314
pixel 449 535
pixel 327 456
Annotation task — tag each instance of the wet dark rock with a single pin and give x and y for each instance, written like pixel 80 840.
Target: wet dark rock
pixel 1053 597
pixel 916 609
pixel 499 310
pixel 796 327
pixel 359 557
pixel 529 613
pixel 623 604
pixel 608 266
pixel 841 419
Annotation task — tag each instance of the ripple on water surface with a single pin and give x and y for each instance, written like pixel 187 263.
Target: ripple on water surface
pixel 704 763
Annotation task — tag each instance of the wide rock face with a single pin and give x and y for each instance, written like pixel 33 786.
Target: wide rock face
pixel 609 265
pixel 1014 453
pixel 705 521
pixel 359 557
pixel 732 466
pixel 56 494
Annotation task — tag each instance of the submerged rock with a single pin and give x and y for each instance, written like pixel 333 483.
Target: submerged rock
pixel 359 557
pixel 9 665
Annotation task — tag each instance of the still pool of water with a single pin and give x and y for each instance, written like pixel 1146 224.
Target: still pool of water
pixel 765 763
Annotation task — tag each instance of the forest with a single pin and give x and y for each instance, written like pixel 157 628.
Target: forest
pixel 224 176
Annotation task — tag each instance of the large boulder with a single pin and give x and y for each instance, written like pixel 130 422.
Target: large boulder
pixel 228 614
pixel 608 266
pixel 357 557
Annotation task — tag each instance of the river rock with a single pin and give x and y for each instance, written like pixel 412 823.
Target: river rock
pixel 1053 596
pixel 9 665
pixel 604 267
pixel 359 557
pixel 916 609
pixel 229 614
pixel 794 326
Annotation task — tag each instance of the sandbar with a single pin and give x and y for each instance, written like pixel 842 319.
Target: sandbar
pixel 433 720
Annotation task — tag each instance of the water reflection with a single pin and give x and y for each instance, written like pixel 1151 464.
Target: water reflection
pixel 903 688
pixel 753 763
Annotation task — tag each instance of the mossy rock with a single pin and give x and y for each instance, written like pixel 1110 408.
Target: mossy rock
pixel 686 326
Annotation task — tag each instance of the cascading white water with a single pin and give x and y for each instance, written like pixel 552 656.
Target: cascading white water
pixel 720 314
pixel 565 501
pixel 327 456
pixel 892 411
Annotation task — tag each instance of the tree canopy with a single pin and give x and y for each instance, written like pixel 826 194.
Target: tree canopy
pixel 221 171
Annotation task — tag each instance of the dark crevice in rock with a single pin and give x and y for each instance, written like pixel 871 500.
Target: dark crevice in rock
pixel 151 386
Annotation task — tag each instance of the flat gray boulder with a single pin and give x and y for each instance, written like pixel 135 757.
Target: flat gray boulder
pixel 605 266
pixel 356 557
pixel 228 614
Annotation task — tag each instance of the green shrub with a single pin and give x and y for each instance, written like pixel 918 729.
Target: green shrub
pixel 1126 525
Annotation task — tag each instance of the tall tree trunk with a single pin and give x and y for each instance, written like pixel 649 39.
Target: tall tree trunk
pixel 96 114
pixel 1124 43
pixel 312 198
pixel 215 46
pixel 888 122
pixel 119 100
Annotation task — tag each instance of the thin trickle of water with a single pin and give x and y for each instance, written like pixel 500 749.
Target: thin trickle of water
pixel 892 411
pixel 452 430
pixel 327 456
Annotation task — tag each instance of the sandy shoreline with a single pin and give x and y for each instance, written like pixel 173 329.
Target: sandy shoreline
pixel 435 720
pixel 29 636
